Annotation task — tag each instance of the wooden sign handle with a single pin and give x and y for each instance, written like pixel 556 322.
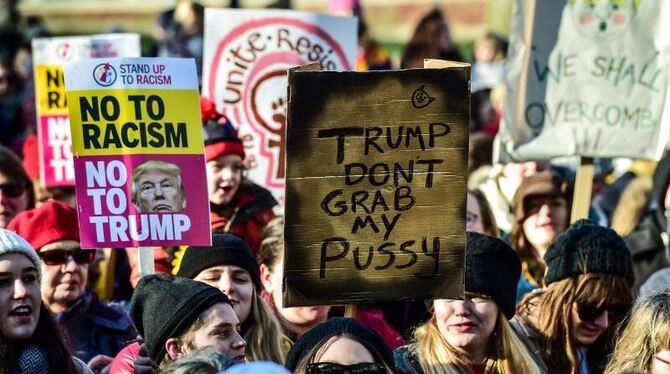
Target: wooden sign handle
pixel 350 311
pixel 145 258
pixel 581 198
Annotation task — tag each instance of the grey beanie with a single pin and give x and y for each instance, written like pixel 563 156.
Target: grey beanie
pixel 11 242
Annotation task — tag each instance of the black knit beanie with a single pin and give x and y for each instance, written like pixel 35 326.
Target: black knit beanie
pixel 226 249
pixel 164 307
pixel 584 248
pixel 338 326
pixel 492 268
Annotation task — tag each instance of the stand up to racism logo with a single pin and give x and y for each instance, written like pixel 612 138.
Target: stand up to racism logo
pixel 104 74
pixel 247 54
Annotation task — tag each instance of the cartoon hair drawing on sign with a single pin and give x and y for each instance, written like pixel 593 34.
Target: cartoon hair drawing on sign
pixel 603 19
pixel 157 187
pixel 247 80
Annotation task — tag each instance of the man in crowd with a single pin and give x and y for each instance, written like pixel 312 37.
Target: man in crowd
pixel 94 332
pixel 193 315
pixel 157 187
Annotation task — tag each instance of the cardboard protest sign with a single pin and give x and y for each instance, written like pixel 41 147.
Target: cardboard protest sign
pixel 376 185
pixel 138 152
pixel 587 78
pixel 53 126
pixel 247 53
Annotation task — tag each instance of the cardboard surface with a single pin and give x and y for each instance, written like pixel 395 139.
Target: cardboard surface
pixel 376 185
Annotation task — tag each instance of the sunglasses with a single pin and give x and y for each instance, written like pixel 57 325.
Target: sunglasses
pixel 12 189
pixel 591 312
pixel 61 256
pixel 333 368
pixel 662 360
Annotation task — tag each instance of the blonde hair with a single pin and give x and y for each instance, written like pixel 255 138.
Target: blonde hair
pixel 549 312
pixel 508 355
pixel 647 332
pixel 264 334
pixel 320 348
pixel 168 168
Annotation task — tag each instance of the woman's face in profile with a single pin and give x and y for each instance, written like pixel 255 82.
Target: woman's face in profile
pixel 473 216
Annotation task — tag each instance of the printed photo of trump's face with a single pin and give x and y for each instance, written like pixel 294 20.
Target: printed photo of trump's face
pixel 157 187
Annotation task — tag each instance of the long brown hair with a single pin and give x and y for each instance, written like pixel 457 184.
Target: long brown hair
pixel 488 218
pixel 47 337
pixel 549 313
pixel 264 333
pixel 531 262
pixel 508 355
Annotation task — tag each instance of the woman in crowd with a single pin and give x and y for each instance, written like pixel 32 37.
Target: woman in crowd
pixel 472 334
pixel 229 266
pixel 478 215
pixel 29 339
pixel 297 321
pixel 431 39
pixel 16 190
pixel 340 345
pixel 294 321
pixel 540 207
pixel 236 204
pixel 197 316
pixel 644 345
pixel 568 326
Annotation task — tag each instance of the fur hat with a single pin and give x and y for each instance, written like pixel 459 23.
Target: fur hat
pixel 544 183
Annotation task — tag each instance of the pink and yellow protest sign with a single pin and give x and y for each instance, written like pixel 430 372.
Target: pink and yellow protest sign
pixel 53 124
pixel 246 57
pixel 138 152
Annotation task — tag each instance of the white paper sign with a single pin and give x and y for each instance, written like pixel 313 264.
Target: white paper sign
pixel 247 54
pixel 592 82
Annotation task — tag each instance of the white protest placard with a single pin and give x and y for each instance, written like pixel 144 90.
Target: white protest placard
pixel 138 152
pixel 587 78
pixel 247 54
pixel 53 123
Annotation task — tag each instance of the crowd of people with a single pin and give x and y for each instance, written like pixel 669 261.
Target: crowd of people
pixel 542 295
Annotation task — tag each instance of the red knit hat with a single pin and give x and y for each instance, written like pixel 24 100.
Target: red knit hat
pixel 31 157
pixel 219 134
pixel 51 222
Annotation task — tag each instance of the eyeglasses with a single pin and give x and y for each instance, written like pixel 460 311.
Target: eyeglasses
pixel 12 189
pixel 62 256
pixel 333 368
pixel 150 188
pixel 591 312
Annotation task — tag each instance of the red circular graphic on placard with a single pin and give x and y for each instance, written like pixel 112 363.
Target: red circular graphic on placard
pixel 266 71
